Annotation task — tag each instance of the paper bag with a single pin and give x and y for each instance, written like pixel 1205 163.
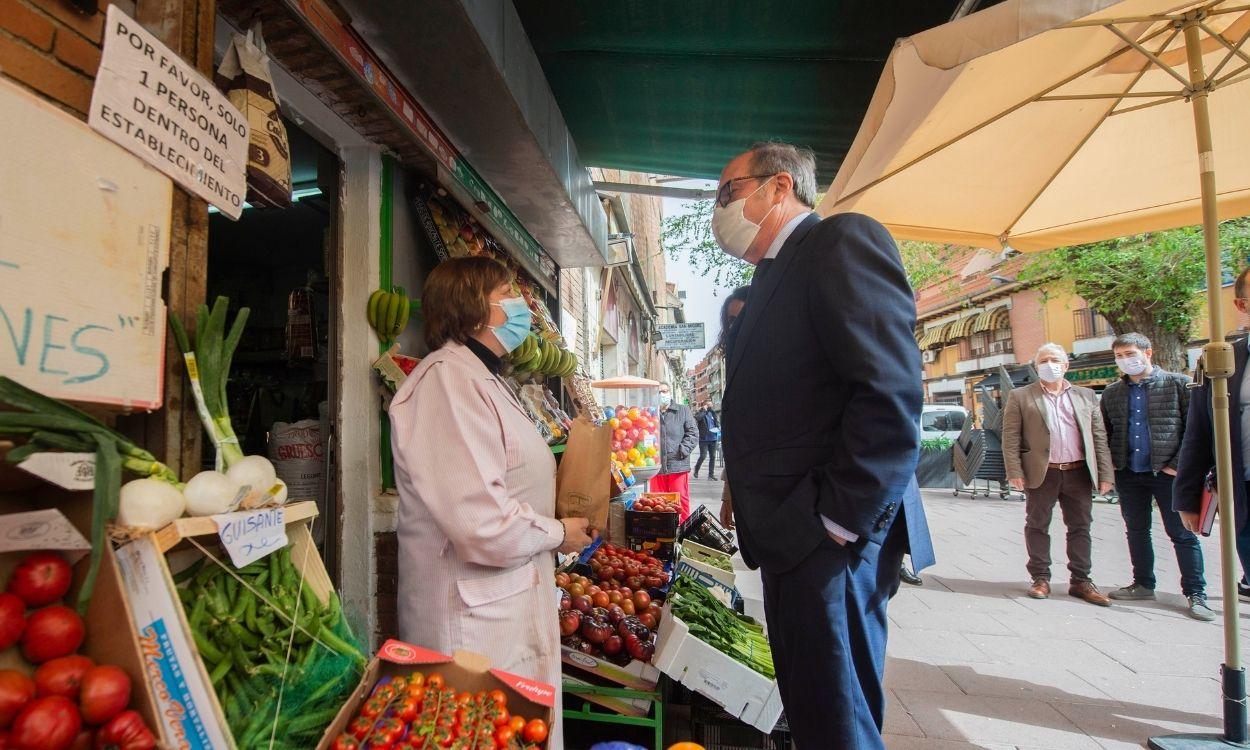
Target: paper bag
pixel 244 76
pixel 582 482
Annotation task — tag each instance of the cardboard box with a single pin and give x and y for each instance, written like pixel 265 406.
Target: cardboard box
pixel 465 671
pixel 740 690
pixel 636 674
pixel 47 528
pixel 706 576
pixel 186 702
pixel 701 558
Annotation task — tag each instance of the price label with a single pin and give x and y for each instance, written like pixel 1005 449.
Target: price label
pixel 73 471
pixel 251 535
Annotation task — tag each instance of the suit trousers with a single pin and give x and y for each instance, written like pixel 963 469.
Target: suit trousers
pixel 1073 490
pixel 827 631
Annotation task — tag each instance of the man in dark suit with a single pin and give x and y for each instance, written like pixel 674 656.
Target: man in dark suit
pixel 821 436
pixel 1197 456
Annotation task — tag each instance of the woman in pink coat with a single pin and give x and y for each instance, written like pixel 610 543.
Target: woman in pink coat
pixel 477 486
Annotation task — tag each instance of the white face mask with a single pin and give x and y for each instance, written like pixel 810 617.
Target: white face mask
pixel 1050 372
pixel 733 231
pixel 1131 365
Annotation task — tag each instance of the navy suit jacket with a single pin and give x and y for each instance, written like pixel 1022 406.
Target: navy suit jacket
pixel 823 395
pixel 1197 456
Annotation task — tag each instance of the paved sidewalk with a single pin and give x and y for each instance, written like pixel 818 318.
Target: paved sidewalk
pixel 974 663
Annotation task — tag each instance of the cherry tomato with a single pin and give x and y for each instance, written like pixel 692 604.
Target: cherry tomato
pixel 388 731
pixel 464 699
pixel 502 718
pixel 535 731
pixel 407 710
pixel 345 742
pixel 361 728
pixel 373 707
pixel 504 736
pixel 517 724
pixel 434 681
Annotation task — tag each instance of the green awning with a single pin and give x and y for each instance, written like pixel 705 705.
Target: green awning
pixel 680 87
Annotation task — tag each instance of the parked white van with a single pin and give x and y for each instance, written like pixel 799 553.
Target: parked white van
pixel 941 420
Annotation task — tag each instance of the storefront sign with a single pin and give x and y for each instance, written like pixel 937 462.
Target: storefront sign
pixel 84 242
pixel 157 106
pixel 680 336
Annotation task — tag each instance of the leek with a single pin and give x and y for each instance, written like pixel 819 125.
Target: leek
pixel 208 360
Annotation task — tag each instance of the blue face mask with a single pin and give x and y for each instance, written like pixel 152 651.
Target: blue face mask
pixel 517 326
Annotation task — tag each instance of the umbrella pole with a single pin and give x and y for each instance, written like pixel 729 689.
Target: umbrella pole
pixel 1219 366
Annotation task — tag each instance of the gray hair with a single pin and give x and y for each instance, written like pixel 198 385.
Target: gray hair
pixel 771 157
pixel 1051 348
pixel 1130 339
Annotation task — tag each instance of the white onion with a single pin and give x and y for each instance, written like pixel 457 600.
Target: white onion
pixel 280 493
pixel 149 504
pixel 254 471
pixel 209 493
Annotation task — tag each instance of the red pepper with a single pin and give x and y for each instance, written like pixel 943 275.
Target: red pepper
pixel 125 731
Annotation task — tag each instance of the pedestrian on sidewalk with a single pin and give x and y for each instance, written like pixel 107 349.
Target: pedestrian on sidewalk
pixel 678 436
pixel 1055 451
pixel 709 439
pixel 1145 416
pixel 821 438
pixel 1197 457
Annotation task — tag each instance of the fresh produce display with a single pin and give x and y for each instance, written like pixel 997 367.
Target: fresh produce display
pixel 616 568
pixel 653 504
pixel 71 699
pixel 612 616
pixel 242 628
pixel 737 636
pixel 635 438
pixel 416 712
pixel 542 355
pixel 388 312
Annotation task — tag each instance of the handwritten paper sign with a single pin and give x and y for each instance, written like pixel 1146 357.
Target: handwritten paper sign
pixel 250 535
pixel 157 106
pixel 84 241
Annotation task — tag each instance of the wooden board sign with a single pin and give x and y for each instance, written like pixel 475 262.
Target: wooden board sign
pixel 84 243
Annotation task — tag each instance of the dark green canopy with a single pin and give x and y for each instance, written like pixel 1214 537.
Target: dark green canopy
pixel 680 86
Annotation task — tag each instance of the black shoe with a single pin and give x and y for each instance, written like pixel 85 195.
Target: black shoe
pixel 1243 590
pixel 910 577
pixel 711 478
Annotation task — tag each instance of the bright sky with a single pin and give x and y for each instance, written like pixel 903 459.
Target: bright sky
pixel 703 298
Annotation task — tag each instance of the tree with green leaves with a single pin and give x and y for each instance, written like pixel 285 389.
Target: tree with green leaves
pixel 1147 283
pixel 690 234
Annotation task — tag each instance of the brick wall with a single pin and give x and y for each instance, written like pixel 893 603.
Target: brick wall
pixel 1028 323
pixel 52 49
pixel 386 548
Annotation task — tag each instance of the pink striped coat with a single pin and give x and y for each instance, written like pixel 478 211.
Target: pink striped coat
pixel 476 527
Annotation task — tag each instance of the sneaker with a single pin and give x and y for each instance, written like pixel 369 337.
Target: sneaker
pixel 1133 592
pixel 1243 590
pixel 1199 610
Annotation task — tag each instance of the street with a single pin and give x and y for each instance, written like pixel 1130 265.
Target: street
pixel 974 663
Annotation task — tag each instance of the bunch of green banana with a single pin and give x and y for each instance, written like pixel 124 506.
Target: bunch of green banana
pixel 543 357
pixel 388 312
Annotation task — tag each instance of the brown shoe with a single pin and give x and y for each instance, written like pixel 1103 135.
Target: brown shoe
pixel 1040 589
pixel 1089 592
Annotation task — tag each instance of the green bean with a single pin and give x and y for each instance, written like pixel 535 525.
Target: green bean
pixel 219 673
pixel 314 720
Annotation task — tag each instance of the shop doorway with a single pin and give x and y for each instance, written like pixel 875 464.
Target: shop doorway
pixel 282 391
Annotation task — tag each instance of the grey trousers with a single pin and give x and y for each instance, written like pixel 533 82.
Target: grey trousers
pixel 1073 490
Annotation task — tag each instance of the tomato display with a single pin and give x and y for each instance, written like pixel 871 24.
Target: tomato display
pixel 125 731
pixel 41 579
pixel 62 676
pixel 653 504
pixel 618 620
pixel 423 712
pixel 50 723
pixel 105 693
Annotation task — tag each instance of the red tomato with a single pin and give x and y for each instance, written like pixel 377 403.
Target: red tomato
pixel 51 632
pixel 16 690
pixel 373 707
pixel 535 731
pixel 434 681
pixel 361 727
pixel 504 736
pixel 84 741
pixel 345 742
pixel 407 711
pixel 12 620
pixel 41 578
pixel 105 693
pixel 62 676
pixel 387 732
pixel 126 731
pixel 49 723
pixel 517 724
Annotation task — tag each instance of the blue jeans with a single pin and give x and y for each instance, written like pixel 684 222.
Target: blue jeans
pixel 1139 491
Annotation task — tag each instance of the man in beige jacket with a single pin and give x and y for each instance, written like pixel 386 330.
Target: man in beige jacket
pixel 1055 451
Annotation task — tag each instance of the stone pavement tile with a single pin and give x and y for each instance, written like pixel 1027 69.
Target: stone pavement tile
pixel 943 646
pixel 928 743
pixel 897 720
pixel 1037 683
pixel 979 718
pixel 1150 628
pixel 1131 726
pixel 1063 604
pixel 1180 660
pixel 1055 653
pixel 1197 695
pixel 1044 624
pixel 965 622
pixel 985 602
pixel 908 674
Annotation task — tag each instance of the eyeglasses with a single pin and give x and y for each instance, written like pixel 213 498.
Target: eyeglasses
pixel 725 193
